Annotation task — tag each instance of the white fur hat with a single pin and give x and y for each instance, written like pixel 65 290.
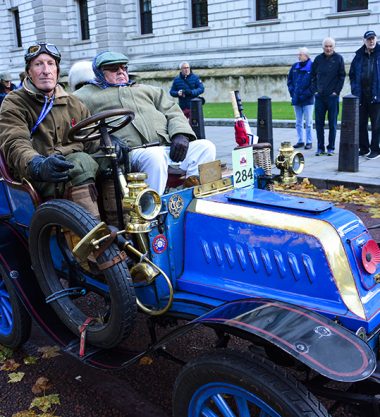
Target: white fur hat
pixel 80 73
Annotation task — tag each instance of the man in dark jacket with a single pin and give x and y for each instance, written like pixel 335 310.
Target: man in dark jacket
pixel 327 79
pixel 365 84
pixel 186 86
pixel 299 83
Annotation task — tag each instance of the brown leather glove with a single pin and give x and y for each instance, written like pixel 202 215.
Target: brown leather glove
pixel 179 147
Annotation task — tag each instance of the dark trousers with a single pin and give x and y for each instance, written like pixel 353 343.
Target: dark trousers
pixel 323 105
pixel 369 111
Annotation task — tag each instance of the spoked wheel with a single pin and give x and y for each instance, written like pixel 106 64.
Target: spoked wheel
pixel 225 383
pixel 15 322
pixel 79 291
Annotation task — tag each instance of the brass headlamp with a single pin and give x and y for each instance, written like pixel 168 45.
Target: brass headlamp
pixel 290 163
pixel 142 203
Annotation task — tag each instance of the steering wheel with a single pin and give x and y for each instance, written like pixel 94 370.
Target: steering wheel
pixel 90 128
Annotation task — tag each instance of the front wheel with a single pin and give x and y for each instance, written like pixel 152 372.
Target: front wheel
pixel 15 322
pixel 77 291
pixel 226 383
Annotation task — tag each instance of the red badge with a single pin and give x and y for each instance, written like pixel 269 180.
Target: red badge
pixel 160 244
pixel 73 122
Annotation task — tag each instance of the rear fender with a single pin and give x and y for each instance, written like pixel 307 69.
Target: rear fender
pixel 15 259
pixel 311 338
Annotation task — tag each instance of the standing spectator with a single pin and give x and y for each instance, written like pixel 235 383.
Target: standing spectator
pixel 6 85
pixel 299 86
pixel 186 85
pixel 365 84
pixel 327 79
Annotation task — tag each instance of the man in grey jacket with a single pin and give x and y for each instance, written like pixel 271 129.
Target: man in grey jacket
pixel 157 119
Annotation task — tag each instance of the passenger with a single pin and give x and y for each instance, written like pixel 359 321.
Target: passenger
pixel 34 125
pixel 6 85
pixel 158 119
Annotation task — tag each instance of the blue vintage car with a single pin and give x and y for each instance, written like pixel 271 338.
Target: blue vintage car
pixel 296 278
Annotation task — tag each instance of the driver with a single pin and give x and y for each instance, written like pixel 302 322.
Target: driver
pixel 34 124
pixel 157 119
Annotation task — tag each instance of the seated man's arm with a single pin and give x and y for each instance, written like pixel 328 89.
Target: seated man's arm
pixel 176 121
pixel 15 143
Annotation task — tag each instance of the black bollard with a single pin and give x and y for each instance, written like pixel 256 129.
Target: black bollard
pixel 349 135
pixel 196 119
pixel 264 122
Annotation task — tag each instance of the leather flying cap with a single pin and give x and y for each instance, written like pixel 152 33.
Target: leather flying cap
pixel 110 58
pixel 369 34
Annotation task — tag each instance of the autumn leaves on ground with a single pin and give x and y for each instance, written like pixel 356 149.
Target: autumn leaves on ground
pixel 43 404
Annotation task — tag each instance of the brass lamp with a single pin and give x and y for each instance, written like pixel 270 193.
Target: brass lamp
pixel 142 203
pixel 290 163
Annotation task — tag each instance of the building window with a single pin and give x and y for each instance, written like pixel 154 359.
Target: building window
pixel 266 9
pixel 146 17
pixel 83 16
pixel 17 29
pixel 199 11
pixel 348 5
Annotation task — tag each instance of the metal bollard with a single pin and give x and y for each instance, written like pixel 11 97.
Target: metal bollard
pixel 264 122
pixel 349 135
pixel 196 119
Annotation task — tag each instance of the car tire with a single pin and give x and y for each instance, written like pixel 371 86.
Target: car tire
pixel 219 382
pixel 110 292
pixel 15 322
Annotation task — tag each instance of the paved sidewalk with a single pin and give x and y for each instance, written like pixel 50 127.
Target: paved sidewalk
pixel 321 170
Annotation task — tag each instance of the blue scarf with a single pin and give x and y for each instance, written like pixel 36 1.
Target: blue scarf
pixel 100 80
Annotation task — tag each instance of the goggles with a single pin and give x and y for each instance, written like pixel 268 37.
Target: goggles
pixel 115 67
pixel 41 48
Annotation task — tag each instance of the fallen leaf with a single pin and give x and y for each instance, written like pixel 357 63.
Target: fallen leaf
pixel 46 402
pixel 146 360
pixel 41 385
pixel 15 377
pixel 5 353
pixel 10 365
pixel 49 351
pixel 30 360
pixel 25 413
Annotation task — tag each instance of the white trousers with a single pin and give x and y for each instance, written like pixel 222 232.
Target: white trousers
pixel 154 161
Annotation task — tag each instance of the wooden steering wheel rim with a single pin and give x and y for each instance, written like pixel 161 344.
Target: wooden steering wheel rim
pixel 100 120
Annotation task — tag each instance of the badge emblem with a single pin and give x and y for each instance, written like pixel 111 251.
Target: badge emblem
pixel 160 244
pixel 175 205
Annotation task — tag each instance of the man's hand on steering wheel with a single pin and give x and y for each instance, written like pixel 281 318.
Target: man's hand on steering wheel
pixel 179 147
pixel 53 168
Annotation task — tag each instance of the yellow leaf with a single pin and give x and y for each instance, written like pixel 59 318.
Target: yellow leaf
pixel 49 351
pixel 30 360
pixel 15 377
pixel 46 402
pixel 146 360
pixel 25 413
pixel 10 365
pixel 41 385
pixel 5 353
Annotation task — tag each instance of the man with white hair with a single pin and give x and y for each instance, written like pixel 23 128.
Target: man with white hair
pixel 327 79
pixel 186 86
pixel 299 86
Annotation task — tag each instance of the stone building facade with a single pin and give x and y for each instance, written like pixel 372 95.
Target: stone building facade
pixel 233 50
